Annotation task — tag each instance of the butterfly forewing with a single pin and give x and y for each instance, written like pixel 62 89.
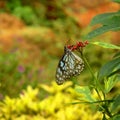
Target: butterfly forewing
pixel 69 65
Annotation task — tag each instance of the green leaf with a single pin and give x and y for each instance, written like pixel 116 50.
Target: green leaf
pixel 101 30
pixel 118 1
pixel 118 77
pixel 117 54
pixel 85 93
pixel 110 23
pixel 105 45
pixel 109 67
pixel 110 83
pixel 116 104
pixel 103 18
pixel 115 72
pixel 104 117
pixel 116 117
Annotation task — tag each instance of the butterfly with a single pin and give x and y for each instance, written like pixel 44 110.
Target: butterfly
pixel 69 65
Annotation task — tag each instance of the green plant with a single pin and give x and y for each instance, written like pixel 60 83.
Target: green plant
pixel 108 76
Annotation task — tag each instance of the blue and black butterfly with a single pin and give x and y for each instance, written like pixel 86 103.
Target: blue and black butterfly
pixel 69 65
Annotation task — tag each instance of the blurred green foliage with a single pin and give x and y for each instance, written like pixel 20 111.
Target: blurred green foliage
pixel 51 14
pixel 15 75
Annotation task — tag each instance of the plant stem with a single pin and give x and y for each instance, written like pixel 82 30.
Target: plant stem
pixel 92 75
pixel 91 71
pixel 104 105
pixel 89 67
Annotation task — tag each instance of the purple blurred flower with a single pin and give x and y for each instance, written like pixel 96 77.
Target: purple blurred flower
pixel 21 69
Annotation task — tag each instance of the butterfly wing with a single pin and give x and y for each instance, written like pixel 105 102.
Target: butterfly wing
pixel 77 63
pixel 69 65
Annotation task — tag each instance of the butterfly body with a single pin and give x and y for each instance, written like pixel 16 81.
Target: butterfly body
pixel 69 65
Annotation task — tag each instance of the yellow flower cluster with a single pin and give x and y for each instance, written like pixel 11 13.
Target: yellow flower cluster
pixel 55 106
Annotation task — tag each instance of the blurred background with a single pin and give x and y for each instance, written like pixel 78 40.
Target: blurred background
pixel 32 38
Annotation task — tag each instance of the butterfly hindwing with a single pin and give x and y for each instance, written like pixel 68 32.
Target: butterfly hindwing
pixel 69 65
